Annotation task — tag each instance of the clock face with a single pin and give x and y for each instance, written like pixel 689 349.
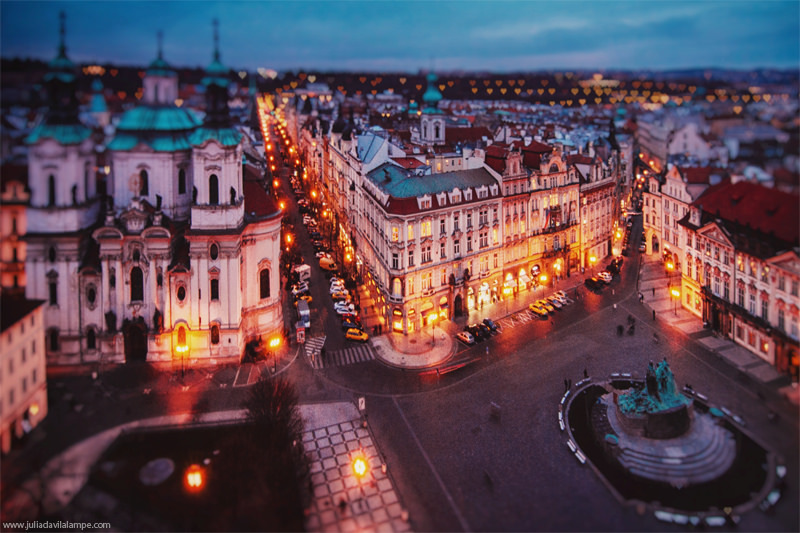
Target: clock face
pixel 135 183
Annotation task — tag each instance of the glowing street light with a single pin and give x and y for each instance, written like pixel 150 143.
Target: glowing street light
pixel 194 478
pixel 360 467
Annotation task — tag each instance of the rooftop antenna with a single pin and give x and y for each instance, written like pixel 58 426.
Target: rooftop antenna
pixel 62 47
pixel 216 39
pixel 160 44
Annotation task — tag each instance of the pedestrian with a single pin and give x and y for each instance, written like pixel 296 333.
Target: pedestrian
pixel 487 351
pixel 654 315
pixel 585 374
pixel 566 385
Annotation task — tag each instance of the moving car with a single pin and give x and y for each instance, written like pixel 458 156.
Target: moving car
pixel 465 337
pixel 299 288
pixel 354 334
pixel 328 264
pixel 643 247
pixel 605 276
pixel 593 283
pixel 485 330
pixel 305 297
pixel 351 317
pixel 475 331
pixel 348 308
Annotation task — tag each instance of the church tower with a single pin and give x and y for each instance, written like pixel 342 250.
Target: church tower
pixel 61 164
pixel 432 121
pixel 217 156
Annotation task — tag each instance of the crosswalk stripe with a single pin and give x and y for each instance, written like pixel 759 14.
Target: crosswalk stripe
pixel 345 357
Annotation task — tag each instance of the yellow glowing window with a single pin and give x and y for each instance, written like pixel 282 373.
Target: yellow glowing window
pixel 395 234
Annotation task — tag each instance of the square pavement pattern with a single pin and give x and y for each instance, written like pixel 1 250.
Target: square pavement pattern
pixel 341 500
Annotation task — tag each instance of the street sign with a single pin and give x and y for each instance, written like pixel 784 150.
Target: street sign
pixel 301 335
pixel 362 403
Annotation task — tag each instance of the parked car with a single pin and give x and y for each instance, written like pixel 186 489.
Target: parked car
pixel 306 297
pixel 561 296
pixel 343 310
pixel 546 305
pixel 347 308
pixel 643 247
pixel 555 301
pixel 354 334
pixel 337 287
pixel 605 276
pixel 465 337
pixel 490 323
pixel 341 296
pixel 351 317
pixel 349 324
pixel 485 330
pixel 593 283
pixel 537 310
pixel 475 331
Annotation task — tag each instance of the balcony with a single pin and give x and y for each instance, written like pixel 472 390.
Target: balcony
pixel 395 299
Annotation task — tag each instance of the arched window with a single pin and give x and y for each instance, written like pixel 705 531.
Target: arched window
pixel 52 337
pixel 213 252
pixel 263 278
pixel 181 335
pixel 215 334
pixel 51 191
pixel 181 181
pixel 213 190
pixel 137 284
pixel 436 130
pixel 397 289
pixel 91 339
pixel 52 286
pixel 144 186
pixel 91 294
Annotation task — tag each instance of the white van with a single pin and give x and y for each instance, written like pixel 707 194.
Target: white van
pixel 303 272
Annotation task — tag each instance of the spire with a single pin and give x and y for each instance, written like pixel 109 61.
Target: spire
pixel 62 45
pixel 160 45
pixel 216 40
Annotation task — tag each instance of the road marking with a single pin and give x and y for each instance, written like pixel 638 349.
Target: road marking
pixel 461 519
pixel 346 356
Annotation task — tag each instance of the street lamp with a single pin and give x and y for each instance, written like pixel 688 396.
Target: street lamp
pixel 543 280
pixel 182 349
pixel 194 478
pixel 274 343
pixel 432 319
pixel 592 261
pixel 676 294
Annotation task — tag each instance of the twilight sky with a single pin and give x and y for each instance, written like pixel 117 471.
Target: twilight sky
pixel 409 35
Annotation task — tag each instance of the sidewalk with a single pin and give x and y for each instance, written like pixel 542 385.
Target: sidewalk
pixel 419 350
pixel 653 285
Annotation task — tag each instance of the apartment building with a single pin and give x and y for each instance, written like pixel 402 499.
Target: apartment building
pixel 23 378
pixel 741 270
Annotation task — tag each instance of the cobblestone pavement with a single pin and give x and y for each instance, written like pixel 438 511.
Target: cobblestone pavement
pixel 341 500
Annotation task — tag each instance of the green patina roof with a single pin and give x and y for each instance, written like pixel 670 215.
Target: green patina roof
pixel 62 63
pixel 402 186
pixel 216 74
pixel 149 118
pixel 432 94
pixel 98 104
pixel 65 77
pixel 158 142
pixel 159 67
pixel 224 136
pixel 62 133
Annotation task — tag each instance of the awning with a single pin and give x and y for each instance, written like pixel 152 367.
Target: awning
pixel 523 277
pixel 510 283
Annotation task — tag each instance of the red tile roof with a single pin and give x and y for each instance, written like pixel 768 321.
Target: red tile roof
pixel 455 135
pixel 579 159
pixel 697 175
pixel 408 162
pixel 257 202
pixel 769 211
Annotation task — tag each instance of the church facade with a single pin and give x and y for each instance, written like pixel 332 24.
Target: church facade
pixel 168 251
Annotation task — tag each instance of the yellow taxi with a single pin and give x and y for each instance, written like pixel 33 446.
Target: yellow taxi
pixel 354 334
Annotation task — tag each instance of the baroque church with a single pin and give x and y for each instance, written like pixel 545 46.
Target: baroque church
pixel 161 245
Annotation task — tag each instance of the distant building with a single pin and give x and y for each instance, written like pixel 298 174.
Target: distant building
pixel 14 196
pixel 23 376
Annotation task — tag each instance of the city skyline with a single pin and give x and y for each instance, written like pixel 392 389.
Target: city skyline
pixel 408 36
